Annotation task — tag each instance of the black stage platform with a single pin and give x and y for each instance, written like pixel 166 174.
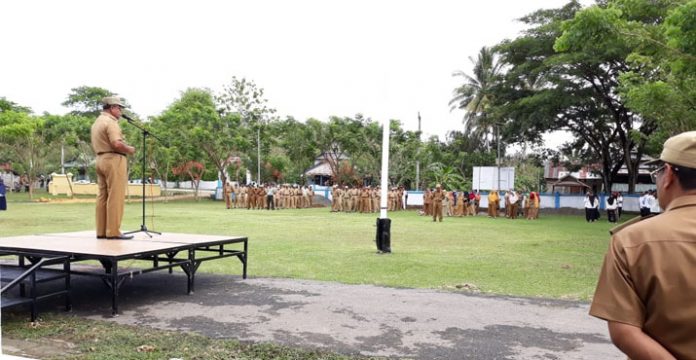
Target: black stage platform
pixel 160 251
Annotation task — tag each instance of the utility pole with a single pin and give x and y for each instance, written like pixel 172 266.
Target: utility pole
pixel 62 158
pixel 418 153
pixel 258 156
pixel 497 159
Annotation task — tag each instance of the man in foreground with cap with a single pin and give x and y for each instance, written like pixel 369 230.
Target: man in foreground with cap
pixel 646 290
pixel 111 150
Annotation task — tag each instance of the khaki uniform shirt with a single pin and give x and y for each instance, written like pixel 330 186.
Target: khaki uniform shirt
pixel 105 130
pixel 438 196
pixel 648 277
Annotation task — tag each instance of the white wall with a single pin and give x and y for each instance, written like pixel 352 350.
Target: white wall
pixel 204 185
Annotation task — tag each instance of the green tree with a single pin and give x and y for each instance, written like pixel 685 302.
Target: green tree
pixel 466 151
pixel 7 105
pixel 202 132
pixel 25 137
pixel 659 82
pixel 577 90
pixel 403 152
pixel 447 176
pixel 72 134
pixel 298 144
pixel 86 100
pixel 244 98
pixel 477 93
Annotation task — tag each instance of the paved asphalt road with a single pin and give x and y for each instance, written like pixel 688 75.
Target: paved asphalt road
pixel 352 319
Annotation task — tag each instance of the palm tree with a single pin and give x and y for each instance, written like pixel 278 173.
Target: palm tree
pixel 476 95
pixel 447 176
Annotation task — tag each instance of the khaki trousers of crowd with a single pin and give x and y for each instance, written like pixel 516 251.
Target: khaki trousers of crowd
pixel 493 208
pixel 437 210
pixel 513 211
pixel 111 180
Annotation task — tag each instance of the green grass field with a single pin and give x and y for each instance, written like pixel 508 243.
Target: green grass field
pixel 556 256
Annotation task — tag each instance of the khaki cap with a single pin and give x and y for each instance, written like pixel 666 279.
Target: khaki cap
pixel 679 150
pixel 112 100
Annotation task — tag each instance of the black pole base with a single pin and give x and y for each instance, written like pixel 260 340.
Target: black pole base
pixel 144 229
pixel 383 236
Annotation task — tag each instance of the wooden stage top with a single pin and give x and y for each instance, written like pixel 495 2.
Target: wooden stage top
pixel 85 243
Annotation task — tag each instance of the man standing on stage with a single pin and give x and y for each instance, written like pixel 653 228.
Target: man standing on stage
pixel 111 150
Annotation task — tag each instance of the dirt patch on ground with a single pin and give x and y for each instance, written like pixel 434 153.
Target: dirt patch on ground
pixel 38 348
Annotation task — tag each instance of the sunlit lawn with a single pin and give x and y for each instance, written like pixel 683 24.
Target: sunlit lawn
pixel 555 256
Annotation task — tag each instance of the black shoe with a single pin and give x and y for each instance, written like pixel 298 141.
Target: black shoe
pixel 101 237
pixel 120 237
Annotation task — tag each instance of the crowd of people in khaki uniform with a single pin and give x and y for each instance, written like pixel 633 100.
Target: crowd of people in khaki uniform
pixel 451 203
pixel 268 196
pixel 437 202
pixel 516 204
pixel 365 199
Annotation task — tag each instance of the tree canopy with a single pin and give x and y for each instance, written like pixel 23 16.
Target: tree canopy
pixel 619 76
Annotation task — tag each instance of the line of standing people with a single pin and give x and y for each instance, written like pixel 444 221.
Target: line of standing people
pixel 453 203
pixel 525 204
pixel 268 196
pixel 365 199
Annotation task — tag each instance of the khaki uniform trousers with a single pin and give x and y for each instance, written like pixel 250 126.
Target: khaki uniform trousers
pixel 493 208
pixel 111 180
pixel 437 210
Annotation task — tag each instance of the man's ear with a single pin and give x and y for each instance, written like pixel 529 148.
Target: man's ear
pixel 669 178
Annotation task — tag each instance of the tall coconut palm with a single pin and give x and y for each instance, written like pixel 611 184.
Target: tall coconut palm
pixel 476 95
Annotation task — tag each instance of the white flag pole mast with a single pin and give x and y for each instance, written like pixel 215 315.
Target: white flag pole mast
pixel 385 170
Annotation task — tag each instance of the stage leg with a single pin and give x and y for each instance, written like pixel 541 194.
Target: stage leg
pixel 192 270
pixel 114 287
pixel 246 258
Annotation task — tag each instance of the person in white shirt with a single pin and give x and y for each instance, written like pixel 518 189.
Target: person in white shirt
pixel 514 204
pixel 644 203
pixel 654 204
pixel 591 207
pixel 619 204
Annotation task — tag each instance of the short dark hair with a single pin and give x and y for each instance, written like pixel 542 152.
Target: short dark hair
pixel 686 176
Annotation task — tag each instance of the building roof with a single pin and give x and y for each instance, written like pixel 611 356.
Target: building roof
pixel 319 169
pixel 568 180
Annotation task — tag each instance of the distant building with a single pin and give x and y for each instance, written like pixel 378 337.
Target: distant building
pixel 559 179
pixel 320 173
pixel 568 184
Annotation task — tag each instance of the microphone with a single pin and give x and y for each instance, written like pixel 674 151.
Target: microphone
pixel 127 117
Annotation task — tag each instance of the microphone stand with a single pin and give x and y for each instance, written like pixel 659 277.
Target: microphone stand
pixel 145 134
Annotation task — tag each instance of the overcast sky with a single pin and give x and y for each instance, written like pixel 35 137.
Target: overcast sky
pixel 383 59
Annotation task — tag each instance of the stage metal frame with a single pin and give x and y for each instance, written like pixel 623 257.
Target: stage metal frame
pixel 161 251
